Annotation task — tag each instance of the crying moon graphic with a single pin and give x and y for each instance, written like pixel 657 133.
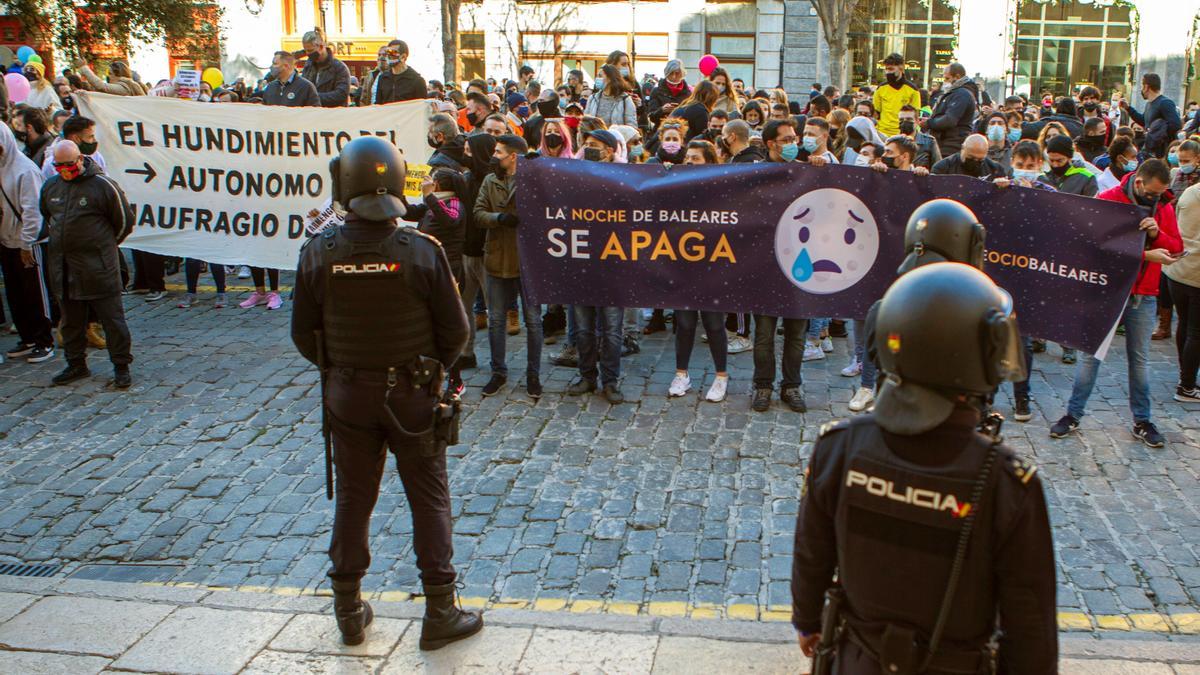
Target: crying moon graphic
pixel 826 241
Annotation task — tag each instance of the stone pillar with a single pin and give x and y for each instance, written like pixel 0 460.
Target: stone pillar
pixel 1165 26
pixel 805 53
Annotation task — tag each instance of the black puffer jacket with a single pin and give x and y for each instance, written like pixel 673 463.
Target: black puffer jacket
pixel 953 116
pixel 85 219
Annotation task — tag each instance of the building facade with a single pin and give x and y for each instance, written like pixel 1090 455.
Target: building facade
pixel 1027 46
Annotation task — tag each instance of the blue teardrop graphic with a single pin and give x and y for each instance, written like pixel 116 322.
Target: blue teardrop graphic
pixel 802 269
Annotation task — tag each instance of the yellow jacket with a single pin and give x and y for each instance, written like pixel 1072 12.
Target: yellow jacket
pixel 888 102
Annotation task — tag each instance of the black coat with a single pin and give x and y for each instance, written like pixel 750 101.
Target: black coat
pixel 697 119
pixel 953 166
pixel 662 96
pixel 1034 129
pixel 85 220
pixel 407 86
pixel 332 80
pixel 953 117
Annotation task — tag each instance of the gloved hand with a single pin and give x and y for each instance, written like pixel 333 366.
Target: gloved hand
pixel 508 219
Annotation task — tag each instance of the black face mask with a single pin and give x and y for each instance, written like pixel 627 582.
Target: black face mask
pixel 68 102
pixel 497 168
pixel 907 127
pixel 893 78
pixel 971 166
pixel 88 148
pixel 553 141
pixel 1092 141
pixel 591 154
pixel 432 143
pixel 473 119
pixel 1091 106
pixel 1059 170
pixel 723 146
pixel 21 135
pixel 889 162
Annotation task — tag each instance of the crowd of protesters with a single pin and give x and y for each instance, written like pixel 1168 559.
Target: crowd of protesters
pixel 482 131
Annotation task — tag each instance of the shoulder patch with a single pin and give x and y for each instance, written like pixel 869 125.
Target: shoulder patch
pixel 832 426
pixel 1021 469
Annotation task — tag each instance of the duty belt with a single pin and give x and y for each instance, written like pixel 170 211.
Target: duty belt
pixel 960 662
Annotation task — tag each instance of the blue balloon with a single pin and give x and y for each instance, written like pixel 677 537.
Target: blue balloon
pixel 24 52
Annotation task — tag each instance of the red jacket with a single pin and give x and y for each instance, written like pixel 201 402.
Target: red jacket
pixel 1168 233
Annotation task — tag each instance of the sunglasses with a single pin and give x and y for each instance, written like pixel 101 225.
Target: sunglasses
pixel 65 165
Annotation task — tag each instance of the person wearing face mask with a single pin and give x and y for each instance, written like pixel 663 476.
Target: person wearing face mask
pixel 1147 187
pixel 86 217
pixel 736 137
pixel 41 94
pixel 556 140
pixel 752 114
pixel 1121 160
pixel 782 144
pixel 398 82
pixel 999 147
pixel 22 257
pixel 1160 119
pixel 613 104
pixel 495 210
pixel 928 152
pixel 728 98
pixel 366 92
pixel 477 110
pixel 669 93
pixel 670 142
pixel 972 161
pixel 287 88
pixel 1191 118
pixel 477 154
pixel 1027 163
pixel 859 131
pixel 446 142
pixel 696 108
pixel 954 112
pixel 1091 144
pixel 518 113
pixel 37 133
pixel 892 97
pixel 330 76
pixel 1185 175
pixel 1090 108
pixel 815 143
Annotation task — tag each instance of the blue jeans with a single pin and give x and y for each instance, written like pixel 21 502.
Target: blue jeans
pixel 1140 319
pixel 816 327
pixel 609 357
pixel 502 293
pixel 867 379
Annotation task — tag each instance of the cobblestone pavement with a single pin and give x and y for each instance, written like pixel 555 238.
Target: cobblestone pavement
pixel 211 469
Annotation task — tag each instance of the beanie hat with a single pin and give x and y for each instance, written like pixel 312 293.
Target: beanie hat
pixel 514 99
pixel 41 69
pixel 604 136
pixel 672 66
pixel 1061 145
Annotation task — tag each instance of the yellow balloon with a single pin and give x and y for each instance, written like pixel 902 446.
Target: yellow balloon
pixel 213 77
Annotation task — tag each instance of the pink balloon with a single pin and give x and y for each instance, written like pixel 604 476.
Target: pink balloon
pixel 18 87
pixel 708 63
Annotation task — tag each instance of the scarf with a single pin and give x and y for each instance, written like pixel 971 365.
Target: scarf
pixel 675 89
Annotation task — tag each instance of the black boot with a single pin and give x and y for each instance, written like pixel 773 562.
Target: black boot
pixel 444 622
pixel 121 377
pixel 352 612
pixel 75 370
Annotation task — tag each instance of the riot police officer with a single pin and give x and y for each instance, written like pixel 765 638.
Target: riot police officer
pixel 377 309
pixel 932 529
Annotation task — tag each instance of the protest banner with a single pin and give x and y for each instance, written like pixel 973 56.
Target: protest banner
pixel 799 241
pixel 233 183
pixel 412 181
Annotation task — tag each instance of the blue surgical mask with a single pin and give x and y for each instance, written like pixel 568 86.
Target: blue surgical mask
pixel 624 72
pixel 1014 135
pixel 995 134
pixel 1173 159
pixel 1187 168
pixel 1019 174
pixel 635 151
pixel 810 144
pixel 1130 166
pixel 789 152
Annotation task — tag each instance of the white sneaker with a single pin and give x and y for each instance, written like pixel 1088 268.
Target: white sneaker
pixel 680 385
pixel 739 344
pixel 716 393
pixel 827 344
pixel 863 398
pixel 813 352
pixel 244 273
pixel 852 370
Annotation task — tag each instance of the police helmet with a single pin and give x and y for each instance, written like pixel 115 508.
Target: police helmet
pixel 942 331
pixel 368 178
pixel 942 230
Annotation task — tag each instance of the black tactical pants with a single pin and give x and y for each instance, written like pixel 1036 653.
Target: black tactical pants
pixel 110 312
pixel 362 435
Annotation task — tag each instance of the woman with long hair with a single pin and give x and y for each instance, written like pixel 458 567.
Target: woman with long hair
pixel 838 119
pixel 695 108
pixel 700 152
pixel 671 138
pixel 613 103
pixel 556 139
pixel 728 99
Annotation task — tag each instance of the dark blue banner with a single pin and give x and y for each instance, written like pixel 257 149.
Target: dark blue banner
pixel 798 241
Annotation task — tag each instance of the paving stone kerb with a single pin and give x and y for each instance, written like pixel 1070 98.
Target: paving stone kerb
pixel 212 464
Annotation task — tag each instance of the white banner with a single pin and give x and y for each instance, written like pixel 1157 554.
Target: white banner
pixel 232 183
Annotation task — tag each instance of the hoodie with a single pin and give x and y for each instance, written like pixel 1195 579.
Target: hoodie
pixel 450 155
pixel 1168 232
pixel 21 185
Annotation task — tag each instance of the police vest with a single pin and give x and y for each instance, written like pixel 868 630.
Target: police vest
pixel 897 526
pixel 372 317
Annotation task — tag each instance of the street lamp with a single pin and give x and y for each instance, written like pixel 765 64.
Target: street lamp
pixel 324 8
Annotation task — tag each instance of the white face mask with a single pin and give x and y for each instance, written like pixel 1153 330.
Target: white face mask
pixel 862 160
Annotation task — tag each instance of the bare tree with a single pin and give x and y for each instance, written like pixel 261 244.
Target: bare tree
pixel 450 40
pixel 543 16
pixel 835 18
